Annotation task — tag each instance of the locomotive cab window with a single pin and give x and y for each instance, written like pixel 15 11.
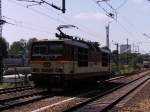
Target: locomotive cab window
pixel 55 49
pixel 47 49
pixel 39 49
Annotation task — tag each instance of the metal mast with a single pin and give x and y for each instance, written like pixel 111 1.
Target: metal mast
pixel 107 36
pixel 1 26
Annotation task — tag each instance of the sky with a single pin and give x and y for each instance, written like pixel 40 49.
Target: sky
pixel 41 21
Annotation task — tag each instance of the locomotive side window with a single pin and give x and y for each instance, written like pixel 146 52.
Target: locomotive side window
pixel 105 59
pixel 82 57
pixel 69 52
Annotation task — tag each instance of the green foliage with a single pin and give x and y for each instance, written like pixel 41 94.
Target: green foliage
pixel 16 48
pixel 21 47
pixel 6 85
pixel 29 43
pixel 3 47
pixel 134 63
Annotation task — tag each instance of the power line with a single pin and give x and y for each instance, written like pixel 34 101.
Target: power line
pixel 23 25
pixel 117 21
pixel 57 20
pixel 47 3
pixel 112 13
pixel 31 28
pixel 124 28
pixel 67 16
pixel 36 11
pixel 134 27
pixel 123 3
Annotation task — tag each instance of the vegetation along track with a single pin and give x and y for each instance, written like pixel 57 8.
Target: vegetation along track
pixel 22 97
pixel 82 102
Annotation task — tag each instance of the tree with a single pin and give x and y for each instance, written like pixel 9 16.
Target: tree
pixel 3 54
pixel 3 47
pixel 29 43
pixel 16 48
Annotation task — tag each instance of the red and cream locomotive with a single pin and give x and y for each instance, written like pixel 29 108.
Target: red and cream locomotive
pixel 65 60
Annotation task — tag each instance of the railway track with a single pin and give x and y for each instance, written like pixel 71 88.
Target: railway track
pixel 83 103
pixel 67 103
pixel 21 97
pixel 9 90
pixel 105 101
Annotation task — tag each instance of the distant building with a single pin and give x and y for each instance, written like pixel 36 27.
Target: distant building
pixel 125 48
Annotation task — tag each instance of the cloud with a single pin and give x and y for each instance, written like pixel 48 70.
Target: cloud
pixel 146 7
pixel 90 16
pixel 138 1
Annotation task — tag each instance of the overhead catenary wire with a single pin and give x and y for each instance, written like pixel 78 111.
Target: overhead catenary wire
pixel 23 23
pixel 117 21
pixel 111 12
pixel 127 30
pixel 20 24
pixel 30 28
pixel 52 18
pixel 121 5
pixel 37 11
pixel 82 28
pixel 134 27
pixel 36 2
pixel 63 21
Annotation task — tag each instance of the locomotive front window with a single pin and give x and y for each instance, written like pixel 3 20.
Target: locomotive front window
pixel 43 50
pixel 36 50
pixel 52 49
pixel 55 49
pixel 39 49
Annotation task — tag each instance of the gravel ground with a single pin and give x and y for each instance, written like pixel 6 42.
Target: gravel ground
pixel 35 105
pixel 140 102
pixel 130 78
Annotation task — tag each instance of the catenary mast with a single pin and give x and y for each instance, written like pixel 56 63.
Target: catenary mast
pixel 0 18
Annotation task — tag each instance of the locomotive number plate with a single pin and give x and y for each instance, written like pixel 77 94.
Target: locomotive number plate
pixel 47 64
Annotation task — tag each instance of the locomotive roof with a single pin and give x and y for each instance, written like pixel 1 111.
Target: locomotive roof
pixel 77 43
pixel 67 41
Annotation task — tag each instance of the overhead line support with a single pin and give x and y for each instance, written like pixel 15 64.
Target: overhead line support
pixel 50 4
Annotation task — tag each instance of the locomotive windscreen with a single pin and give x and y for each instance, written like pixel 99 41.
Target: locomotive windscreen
pixel 47 49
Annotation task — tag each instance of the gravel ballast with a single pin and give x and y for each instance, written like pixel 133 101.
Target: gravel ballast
pixel 136 102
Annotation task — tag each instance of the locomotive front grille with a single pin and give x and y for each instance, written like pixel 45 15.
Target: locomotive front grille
pixel 47 70
pixel 36 70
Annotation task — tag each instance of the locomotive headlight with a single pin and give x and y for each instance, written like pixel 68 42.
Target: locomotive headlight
pixel 60 67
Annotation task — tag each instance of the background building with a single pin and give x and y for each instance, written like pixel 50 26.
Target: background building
pixel 125 48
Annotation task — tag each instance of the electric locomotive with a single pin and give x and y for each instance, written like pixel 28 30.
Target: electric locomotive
pixel 68 59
